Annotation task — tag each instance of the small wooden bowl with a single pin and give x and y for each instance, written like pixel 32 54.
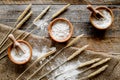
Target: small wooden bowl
pixel 102 8
pixel 11 58
pixel 60 19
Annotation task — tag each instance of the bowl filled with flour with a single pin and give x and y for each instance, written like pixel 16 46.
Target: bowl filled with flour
pixel 17 56
pixel 103 22
pixel 60 30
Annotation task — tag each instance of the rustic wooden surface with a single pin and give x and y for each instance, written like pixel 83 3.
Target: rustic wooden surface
pixel 105 41
pixel 59 1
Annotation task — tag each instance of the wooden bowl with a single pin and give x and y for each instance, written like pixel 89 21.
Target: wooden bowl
pixel 60 19
pixel 102 8
pixel 11 58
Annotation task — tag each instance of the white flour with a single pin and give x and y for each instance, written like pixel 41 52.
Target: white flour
pixel 64 68
pixel 68 74
pixel 21 57
pixel 60 30
pixel 38 53
pixel 103 22
pixel 41 24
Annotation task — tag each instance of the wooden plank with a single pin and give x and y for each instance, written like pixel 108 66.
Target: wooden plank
pixel 106 41
pixel 80 21
pixel 60 1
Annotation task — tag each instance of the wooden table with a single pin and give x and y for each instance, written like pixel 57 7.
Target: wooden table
pixel 108 41
pixel 105 41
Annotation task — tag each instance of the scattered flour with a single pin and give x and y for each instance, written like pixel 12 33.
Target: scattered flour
pixel 67 76
pixel 60 30
pixel 41 24
pixel 21 57
pixel 70 73
pixel 64 68
pixel 103 22
pixel 37 53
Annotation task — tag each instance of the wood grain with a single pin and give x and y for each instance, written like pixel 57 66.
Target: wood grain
pixel 104 41
pixel 60 1
pixel 107 41
pixel 80 21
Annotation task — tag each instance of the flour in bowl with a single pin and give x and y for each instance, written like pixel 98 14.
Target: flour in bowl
pixel 21 57
pixel 103 22
pixel 60 30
